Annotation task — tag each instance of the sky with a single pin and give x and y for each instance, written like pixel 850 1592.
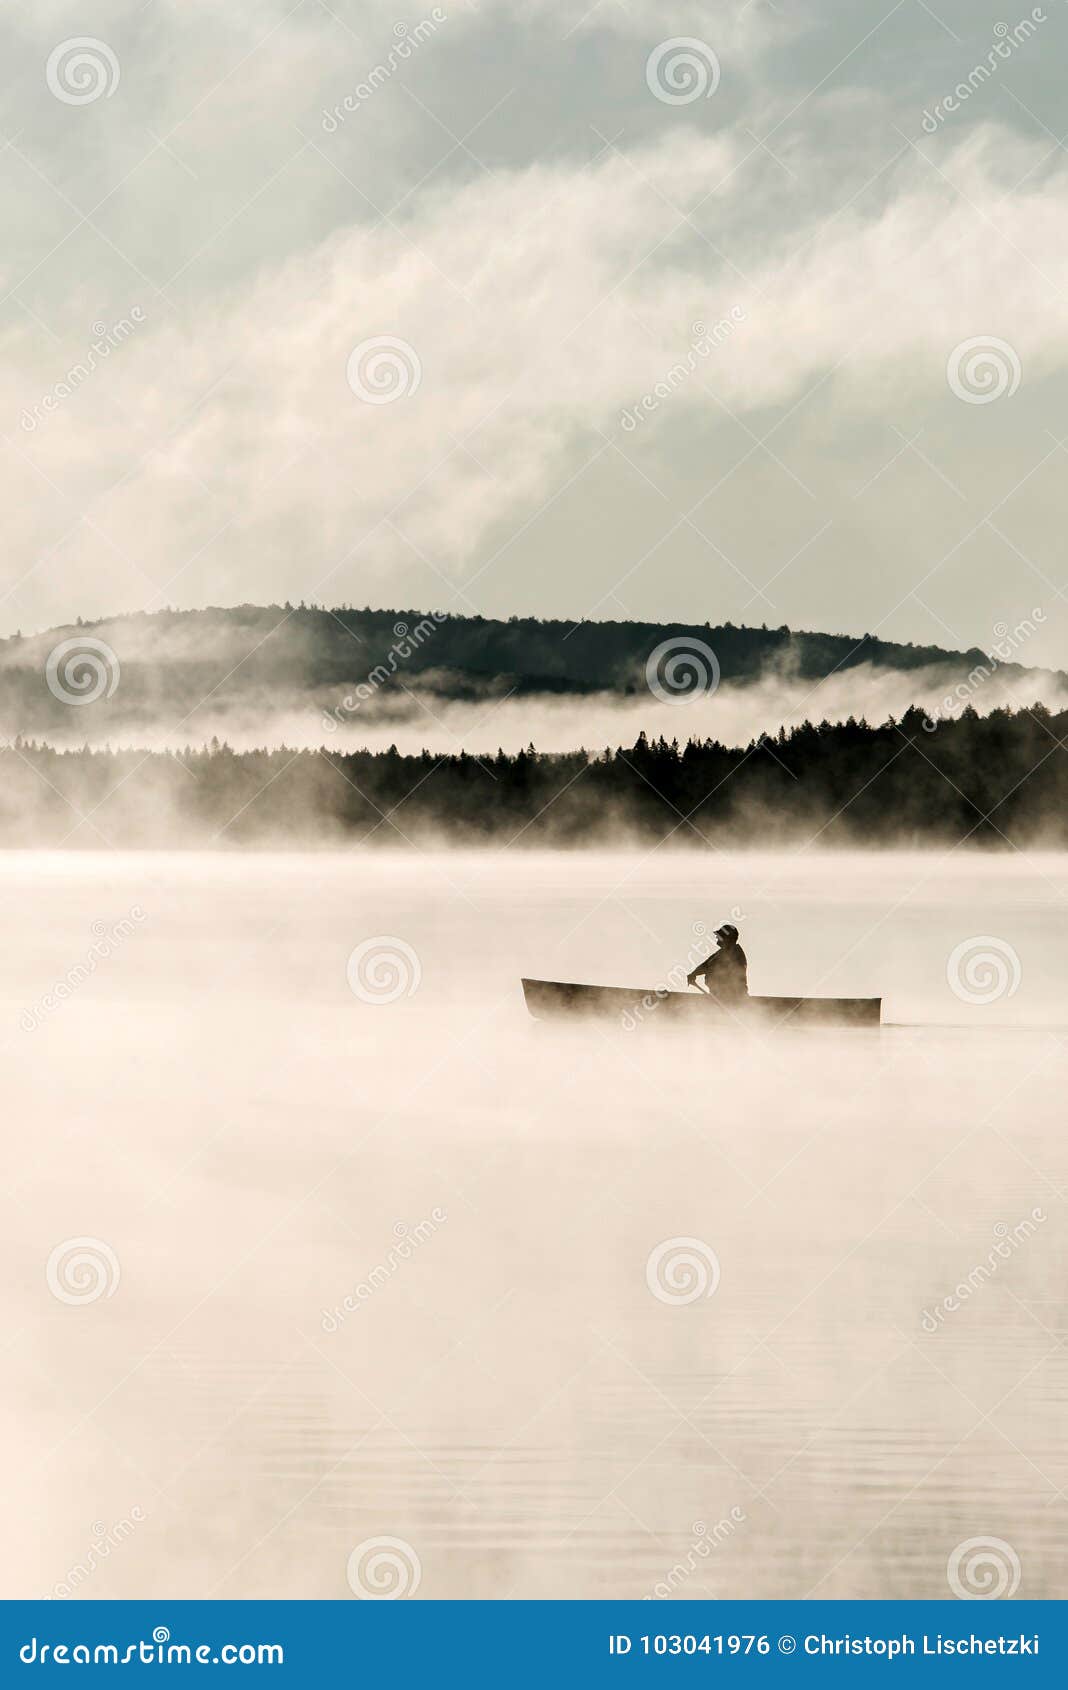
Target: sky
pixel 675 312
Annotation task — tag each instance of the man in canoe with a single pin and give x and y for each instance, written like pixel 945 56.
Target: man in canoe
pixel 725 973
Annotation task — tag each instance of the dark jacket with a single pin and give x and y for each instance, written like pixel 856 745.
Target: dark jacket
pixel 725 973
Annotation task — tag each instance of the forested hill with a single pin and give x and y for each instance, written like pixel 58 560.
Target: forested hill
pixel 248 654
pixel 315 644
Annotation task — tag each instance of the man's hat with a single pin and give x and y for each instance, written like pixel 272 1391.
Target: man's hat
pixel 726 931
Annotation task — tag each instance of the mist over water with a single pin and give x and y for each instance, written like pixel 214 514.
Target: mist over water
pixel 246 1141
pixel 415 717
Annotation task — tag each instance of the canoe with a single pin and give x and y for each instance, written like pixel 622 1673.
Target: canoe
pixel 631 1007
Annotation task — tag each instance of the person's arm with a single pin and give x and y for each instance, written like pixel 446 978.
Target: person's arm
pixel 703 969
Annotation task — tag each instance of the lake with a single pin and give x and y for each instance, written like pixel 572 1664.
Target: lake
pixel 313 1239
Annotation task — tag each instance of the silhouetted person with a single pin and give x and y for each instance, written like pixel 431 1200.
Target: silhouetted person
pixel 725 973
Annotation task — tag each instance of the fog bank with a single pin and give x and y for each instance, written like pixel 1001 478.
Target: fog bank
pixel 367 1252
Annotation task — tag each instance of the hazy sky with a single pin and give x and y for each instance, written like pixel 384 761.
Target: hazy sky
pixel 512 198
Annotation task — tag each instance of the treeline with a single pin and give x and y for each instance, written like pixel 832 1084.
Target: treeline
pixel 990 780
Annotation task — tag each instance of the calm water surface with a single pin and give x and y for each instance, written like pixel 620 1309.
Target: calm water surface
pixel 511 1390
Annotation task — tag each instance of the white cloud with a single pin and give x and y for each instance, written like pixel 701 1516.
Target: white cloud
pixel 539 308
pixel 219 454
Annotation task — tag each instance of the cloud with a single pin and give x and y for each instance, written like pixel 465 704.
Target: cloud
pixel 539 305
pixel 549 276
pixel 737 25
